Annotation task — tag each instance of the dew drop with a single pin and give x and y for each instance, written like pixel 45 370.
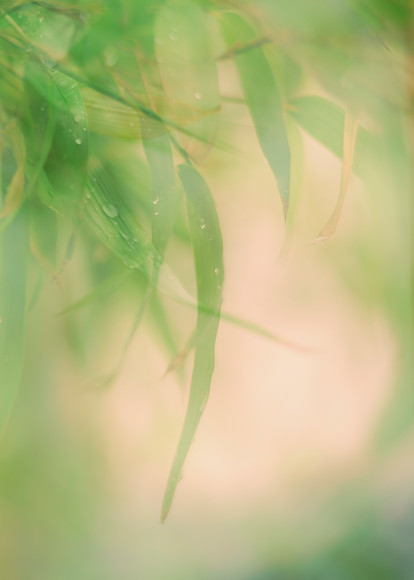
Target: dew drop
pixel 125 236
pixel 78 141
pixel 110 210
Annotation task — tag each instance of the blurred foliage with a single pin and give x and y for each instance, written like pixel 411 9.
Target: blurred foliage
pixel 101 103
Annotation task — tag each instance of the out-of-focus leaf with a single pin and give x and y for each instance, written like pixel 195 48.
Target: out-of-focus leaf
pixel 14 250
pixel 112 220
pixel 14 193
pixel 296 177
pixel 66 164
pixel 324 120
pixel 264 101
pixel 41 124
pixel 164 199
pixel 163 325
pixel 187 68
pixel 48 30
pixel 208 259
pixel 350 132
pixel 107 116
pixel 240 47
pixel 43 236
pixel 100 290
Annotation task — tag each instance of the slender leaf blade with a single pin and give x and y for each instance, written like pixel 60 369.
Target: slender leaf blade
pixel 164 197
pixel 208 259
pixel 263 100
pixel 324 120
pixel 350 133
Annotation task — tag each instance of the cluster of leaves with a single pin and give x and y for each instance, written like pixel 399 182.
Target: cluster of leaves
pixel 103 103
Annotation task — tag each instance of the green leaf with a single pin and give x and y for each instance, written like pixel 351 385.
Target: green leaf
pixel 13 277
pixel 208 259
pixel 350 132
pixel 14 193
pixel 66 163
pixel 324 120
pixel 188 69
pixel 102 289
pixel 108 116
pixel 164 198
pixel 263 100
pixel 43 236
pixel 112 220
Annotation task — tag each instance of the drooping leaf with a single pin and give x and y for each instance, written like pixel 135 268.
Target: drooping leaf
pixel 14 193
pixel 296 178
pixel 164 198
pixel 187 68
pixel 43 236
pixel 324 120
pixel 208 259
pixel 350 132
pixel 41 105
pixel 14 252
pixel 109 216
pixel 263 100
pixel 107 286
pixel 163 325
pixel 66 163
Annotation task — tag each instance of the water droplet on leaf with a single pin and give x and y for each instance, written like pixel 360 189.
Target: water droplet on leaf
pixel 110 210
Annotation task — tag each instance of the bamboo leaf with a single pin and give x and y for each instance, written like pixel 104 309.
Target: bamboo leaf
pixel 188 69
pixel 43 236
pixel 350 132
pixel 14 193
pixel 14 249
pixel 164 198
pixel 208 259
pixel 45 28
pixel 42 122
pixel 107 286
pixel 107 116
pixel 263 100
pixel 112 220
pixel 66 164
pixel 324 120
